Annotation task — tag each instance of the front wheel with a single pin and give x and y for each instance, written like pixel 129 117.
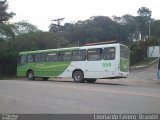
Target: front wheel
pixel 91 80
pixel 78 76
pixel 30 75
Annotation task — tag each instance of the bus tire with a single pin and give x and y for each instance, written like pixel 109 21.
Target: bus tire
pixel 45 78
pixel 91 80
pixel 30 75
pixel 78 76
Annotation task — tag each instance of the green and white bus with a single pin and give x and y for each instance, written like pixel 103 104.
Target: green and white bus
pixel 85 63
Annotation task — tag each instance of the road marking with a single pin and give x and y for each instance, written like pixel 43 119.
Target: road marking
pixel 97 90
pixel 8 96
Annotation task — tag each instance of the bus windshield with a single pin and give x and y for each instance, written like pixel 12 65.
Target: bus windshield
pixel 124 52
pixel 124 58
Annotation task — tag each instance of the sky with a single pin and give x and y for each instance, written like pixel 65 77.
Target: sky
pixel 41 12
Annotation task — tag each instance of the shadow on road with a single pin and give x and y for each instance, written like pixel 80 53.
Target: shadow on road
pixel 98 82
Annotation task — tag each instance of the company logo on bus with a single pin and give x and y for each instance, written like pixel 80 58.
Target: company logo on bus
pixel 106 64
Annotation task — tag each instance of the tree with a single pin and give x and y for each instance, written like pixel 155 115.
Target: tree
pixel 155 28
pixel 95 29
pixel 37 41
pixel 4 15
pixel 128 27
pixel 24 27
pixel 143 20
pixel 6 32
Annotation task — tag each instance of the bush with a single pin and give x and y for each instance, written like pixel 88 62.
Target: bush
pixel 136 54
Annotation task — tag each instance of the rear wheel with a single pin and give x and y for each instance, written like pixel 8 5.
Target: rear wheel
pixel 78 76
pixel 91 80
pixel 45 78
pixel 30 75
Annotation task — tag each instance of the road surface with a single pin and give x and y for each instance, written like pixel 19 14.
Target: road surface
pixel 53 96
pixel 140 93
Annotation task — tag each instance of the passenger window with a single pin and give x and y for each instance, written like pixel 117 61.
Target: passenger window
pixel 22 59
pixel 30 58
pixel 79 55
pixel 94 54
pixel 39 57
pixel 65 56
pixel 109 53
pixel 52 57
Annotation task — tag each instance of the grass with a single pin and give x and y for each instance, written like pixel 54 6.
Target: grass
pixel 144 62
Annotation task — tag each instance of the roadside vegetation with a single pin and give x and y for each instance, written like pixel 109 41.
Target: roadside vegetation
pixel 144 62
pixel 137 32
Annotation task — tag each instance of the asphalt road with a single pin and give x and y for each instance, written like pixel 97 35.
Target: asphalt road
pixel 54 96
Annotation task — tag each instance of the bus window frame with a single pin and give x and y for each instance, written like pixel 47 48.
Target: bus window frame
pixel 61 58
pixel 112 57
pixel 80 55
pixel 31 60
pixel 19 60
pixel 101 54
pixel 57 56
pixel 41 61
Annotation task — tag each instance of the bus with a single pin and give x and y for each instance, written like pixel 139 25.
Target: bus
pixel 83 64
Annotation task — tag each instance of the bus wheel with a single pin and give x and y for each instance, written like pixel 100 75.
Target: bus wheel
pixel 30 75
pixel 91 80
pixel 45 78
pixel 78 76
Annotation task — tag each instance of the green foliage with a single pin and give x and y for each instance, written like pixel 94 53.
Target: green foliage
pixel 4 15
pixel 143 19
pixel 135 54
pixel 139 49
pixel 8 60
pixel 37 41
pixel 24 27
pixel 95 29
pixel 155 28
pixel 6 32
pixel 145 14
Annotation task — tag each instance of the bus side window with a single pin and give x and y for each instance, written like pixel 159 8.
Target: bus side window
pixel 94 54
pixel 22 60
pixel 30 58
pixel 79 55
pixel 52 57
pixel 109 53
pixel 65 56
pixel 39 57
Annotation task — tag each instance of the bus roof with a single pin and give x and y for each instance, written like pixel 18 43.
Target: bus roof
pixel 50 50
pixel 71 48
